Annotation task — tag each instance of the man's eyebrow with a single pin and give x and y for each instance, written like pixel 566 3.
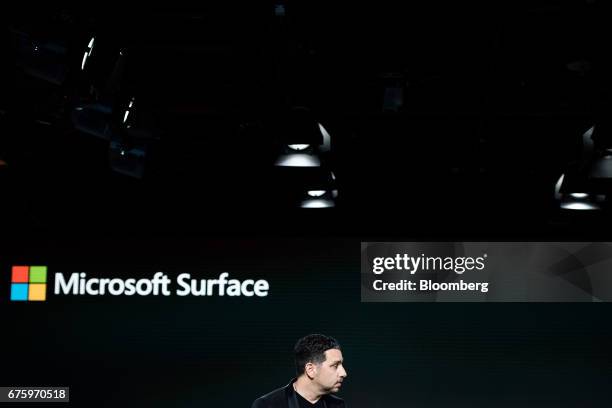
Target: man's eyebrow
pixel 336 362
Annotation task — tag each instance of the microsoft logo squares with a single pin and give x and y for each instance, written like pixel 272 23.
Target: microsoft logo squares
pixel 29 283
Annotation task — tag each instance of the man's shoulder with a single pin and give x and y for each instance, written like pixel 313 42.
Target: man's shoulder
pixel 333 401
pixel 272 399
pixel 278 398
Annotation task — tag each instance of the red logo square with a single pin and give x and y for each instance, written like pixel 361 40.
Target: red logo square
pixel 20 274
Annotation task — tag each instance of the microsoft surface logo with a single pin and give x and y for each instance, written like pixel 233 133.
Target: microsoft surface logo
pixel 29 283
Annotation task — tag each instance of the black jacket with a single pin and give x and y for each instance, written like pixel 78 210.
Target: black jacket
pixel 286 398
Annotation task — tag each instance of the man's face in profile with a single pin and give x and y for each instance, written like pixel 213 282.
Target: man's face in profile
pixel 330 373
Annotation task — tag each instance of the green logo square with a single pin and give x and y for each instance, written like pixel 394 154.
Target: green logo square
pixel 38 274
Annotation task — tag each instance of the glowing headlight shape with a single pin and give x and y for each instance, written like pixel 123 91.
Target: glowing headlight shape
pixel 298 147
pixel 298 160
pixel 579 195
pixel 317 203
pixel 580 206
pixel 316 193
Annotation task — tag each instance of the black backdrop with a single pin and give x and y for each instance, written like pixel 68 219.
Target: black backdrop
pixel 491 117
pixel 160 351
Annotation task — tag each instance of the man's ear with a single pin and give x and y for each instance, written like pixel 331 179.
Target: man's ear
pixel 310 370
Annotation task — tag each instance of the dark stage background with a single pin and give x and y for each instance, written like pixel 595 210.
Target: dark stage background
pixel 187 352
pixel 496 97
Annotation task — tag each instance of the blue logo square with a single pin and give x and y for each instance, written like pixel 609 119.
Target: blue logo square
pixel 19 291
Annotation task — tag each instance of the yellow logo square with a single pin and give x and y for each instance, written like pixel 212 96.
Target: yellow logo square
pixel 37 292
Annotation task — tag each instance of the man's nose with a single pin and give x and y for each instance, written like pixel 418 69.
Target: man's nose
pixel 343 372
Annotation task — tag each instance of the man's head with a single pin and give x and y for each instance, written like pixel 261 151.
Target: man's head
pixel 318 357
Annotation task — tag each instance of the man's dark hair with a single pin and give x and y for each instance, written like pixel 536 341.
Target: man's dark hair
pixel 312 348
